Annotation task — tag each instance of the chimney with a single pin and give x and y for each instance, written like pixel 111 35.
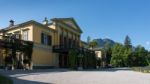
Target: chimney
pixel 11 23
pixel 45 22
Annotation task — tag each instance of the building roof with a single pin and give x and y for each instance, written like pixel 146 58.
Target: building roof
pixel 75 26
pixel 62 20
pixel 23 24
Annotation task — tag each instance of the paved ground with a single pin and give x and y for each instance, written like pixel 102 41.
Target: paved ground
pixel 63 76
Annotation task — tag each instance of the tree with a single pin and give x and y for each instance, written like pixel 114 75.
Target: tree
pixel 117 58
pixel 127 42
pixel 139 57
pixel 127 50
pixel 142 54
pixel 108 52
pixel 93 44
pixel 73 58
pixel 126 54
pixel 120 55
pixel 148 58
pixel 88 40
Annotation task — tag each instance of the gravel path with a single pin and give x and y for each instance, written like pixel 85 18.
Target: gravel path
pixel 63 76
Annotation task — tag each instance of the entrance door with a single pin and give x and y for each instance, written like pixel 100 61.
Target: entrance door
pixel 63 60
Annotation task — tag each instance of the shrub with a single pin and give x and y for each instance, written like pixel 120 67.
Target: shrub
pixel 73 58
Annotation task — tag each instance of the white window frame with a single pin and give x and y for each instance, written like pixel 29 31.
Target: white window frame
pixel 45 39
pixel 25 35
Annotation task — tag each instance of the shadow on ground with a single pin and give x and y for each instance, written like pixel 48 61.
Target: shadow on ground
pixel 15 74
pixel 20 72
pixel 109 69
pixel 21 81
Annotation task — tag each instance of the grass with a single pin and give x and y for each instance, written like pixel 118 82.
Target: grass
pixel 142 69
pixel 5 80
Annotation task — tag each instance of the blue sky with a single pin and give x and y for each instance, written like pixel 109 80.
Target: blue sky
pixel 112 19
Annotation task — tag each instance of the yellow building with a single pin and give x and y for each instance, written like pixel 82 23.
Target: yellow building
pixel 100 55
pixel 52 41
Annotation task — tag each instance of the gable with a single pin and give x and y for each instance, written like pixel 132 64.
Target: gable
pixel 70 22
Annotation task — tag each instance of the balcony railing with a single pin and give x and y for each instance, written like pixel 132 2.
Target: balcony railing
pixel 65 49
pixel 61 48
pixel 11 42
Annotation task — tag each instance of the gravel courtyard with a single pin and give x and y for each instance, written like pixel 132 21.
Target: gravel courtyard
pixel 64 76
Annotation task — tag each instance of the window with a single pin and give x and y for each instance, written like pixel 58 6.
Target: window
pixel 17 34
pixel 25 35
pixel 46 39
pixel 49 41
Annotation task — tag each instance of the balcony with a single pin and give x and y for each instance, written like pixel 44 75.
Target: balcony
pixel 11 43
pixel 61 49
pixel 65 49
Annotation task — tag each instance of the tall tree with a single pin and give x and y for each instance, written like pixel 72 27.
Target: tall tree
pixel 108 52
pixel 88 39
pixel 148 58
pixel 139 57
pixel 93 44
pixel 142 54
pixel 117 58
pixel 127 51
pixel 127 42
pixel 126 54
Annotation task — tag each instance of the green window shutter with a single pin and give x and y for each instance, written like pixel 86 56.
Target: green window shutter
pixel 42 38
pixel 49 40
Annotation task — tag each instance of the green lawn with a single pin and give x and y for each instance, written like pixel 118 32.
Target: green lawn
pixel 5 80
pixel 142 69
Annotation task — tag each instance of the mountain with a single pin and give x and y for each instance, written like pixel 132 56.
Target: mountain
pixel 102 42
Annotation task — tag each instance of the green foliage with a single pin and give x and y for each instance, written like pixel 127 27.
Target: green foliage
pixel 117 59
pixel 142 69
pixel 93 44
pixel 108 51
pixel 123 55
pixel 127 51
pixel 28 50
pixel 98 62
pixel 88 39
pixel 92 60
pixel 73 58
pixel 148 58
pixel 127 42
pixel 5 80
pixel 139 57
pixel 85 60
pixel 25 47
pixel 89 60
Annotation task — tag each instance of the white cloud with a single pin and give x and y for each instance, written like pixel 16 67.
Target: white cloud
pixel 147 43
pixel 107 37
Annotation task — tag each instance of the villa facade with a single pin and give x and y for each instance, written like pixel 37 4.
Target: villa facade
pixel 52 41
